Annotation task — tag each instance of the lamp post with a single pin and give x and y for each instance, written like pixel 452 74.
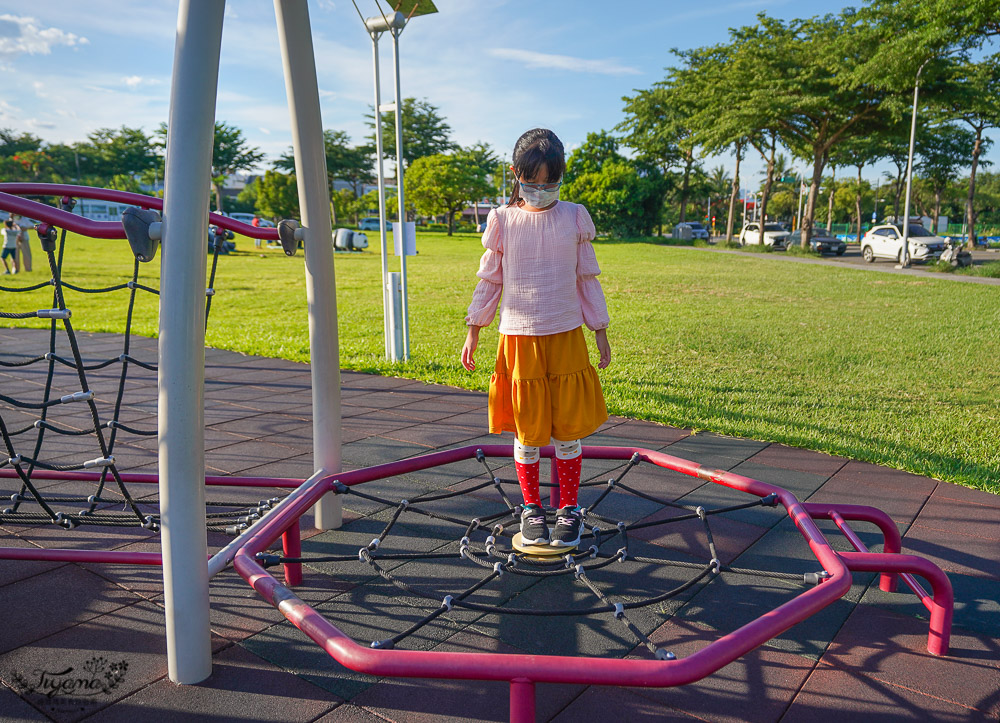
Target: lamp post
pixel 393 23
pixel 904 254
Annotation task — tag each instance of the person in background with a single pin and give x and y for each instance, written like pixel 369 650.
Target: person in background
pixel 256 224
pixel 9 246
pixel 22 260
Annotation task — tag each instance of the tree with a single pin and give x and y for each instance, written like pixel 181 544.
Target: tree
pixel 425 132
pixel 110 152
pixel 483 161
pixel 944 151
pixel 277 195
pixel 973 98
pixel 623 197
pixel 658 127
pixel 441 185
pixel 231 152
pixel 343 162
pixel 804 77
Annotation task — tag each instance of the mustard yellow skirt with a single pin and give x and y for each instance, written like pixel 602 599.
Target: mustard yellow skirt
pixel 544 387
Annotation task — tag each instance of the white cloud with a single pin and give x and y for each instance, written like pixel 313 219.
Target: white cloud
pixel 25 36
pixel 265 131
pixel 532 59
pixel 132 81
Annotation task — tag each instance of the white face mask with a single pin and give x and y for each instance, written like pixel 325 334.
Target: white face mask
pixel 538 197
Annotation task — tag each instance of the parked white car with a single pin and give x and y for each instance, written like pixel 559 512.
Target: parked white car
pixel 775 235
pixel 698 230
pixel 886 242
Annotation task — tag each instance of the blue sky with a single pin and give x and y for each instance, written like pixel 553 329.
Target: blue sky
pixel 494 68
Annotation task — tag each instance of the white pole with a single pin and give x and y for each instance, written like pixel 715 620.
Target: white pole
pixel 904 257
pixel 399 187
pixel 295 37
pixel 799 224
pixel 181 376
pixel 381 197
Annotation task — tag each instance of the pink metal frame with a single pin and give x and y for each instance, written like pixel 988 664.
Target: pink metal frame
pixel 523 671
pixel 10 201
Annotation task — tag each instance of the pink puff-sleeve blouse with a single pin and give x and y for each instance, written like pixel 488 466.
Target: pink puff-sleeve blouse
pixel 539 267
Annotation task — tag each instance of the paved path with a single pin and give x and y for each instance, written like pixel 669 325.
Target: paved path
pixel 852 259
pixel 863 658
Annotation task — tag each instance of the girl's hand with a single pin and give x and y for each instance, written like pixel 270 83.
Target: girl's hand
pixel 603 347
pixel 469 348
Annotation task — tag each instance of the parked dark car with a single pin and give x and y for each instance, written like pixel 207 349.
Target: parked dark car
pixel 821 241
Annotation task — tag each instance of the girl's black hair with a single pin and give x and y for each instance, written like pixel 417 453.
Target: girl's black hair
pixel 534 149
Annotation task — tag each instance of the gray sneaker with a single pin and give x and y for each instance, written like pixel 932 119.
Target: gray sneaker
pixel 534 531
pixel 569 522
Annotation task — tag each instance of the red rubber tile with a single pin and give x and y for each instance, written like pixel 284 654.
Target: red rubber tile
pixel 242 686
pixel 880 660
pixel 643 434
pixel 756 687
pixel 899 494
pixel 599 703
pixel 799 460
pixel 731 538
pixel 964 495
pixel 458 701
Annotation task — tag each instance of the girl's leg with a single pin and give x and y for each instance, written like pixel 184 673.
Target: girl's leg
pixel 526 463
pixel 569 462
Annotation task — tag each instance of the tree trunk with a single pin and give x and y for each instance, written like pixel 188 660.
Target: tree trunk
pixel 477 215
pixel 857 202
pixel 451 221
pixel 734 195
pixel 970 211
pixel 937 209
pixel 688 163
pixel 817 178
pixel 217 188
pixel 767 188
pixel 829 207
pixel 898 193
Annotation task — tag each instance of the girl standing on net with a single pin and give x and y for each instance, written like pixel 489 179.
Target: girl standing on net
pixel 540 262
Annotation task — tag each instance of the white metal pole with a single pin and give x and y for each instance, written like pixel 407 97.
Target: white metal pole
pixel 799 223
pixel 181 375
pixel 396 30
pixel 904 256
pixel 380 169
pixel 295 37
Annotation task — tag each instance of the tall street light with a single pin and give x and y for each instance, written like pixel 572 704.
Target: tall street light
pixel 904 254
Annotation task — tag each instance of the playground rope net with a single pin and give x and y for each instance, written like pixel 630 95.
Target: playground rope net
pixel 483 543
pixel 30 427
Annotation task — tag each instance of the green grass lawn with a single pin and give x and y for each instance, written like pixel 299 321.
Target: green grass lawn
pixel 896 370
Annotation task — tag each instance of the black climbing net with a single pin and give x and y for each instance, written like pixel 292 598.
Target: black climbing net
pixel 35 434
pixel 425 551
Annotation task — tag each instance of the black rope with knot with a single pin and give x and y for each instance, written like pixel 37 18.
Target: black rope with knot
pixel 26 456
pixel 595 553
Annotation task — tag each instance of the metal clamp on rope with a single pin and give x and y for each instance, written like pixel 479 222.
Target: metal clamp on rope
pixel 339 487
pixel 54 314
pixel 386 644
pixel 715 565
pixel 569 560
pixel 622 554
pixel 373 545
pixel 496 481
pixel 700 511
pixel 815 578
pixel 446 603
pixel 15 460
pixel 64 521
pixel 123 358
pixel 498 568
pixel 77 397
pixel 480 455
pixel 268 560
pixel 403 504
pixel 662 654
pixel 619 611
pixel 233 529
pixel 209 291
pixel 132 284
pixel 621 527
pixel 512 560
pixel 579 572
pixel 771 499
pixel 593 551
pixel 49 356
pixel 611 483
pixel 99 462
